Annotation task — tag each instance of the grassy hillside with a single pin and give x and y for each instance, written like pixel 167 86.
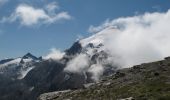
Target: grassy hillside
pixel 149 81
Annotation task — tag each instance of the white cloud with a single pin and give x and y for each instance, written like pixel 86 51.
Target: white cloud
pixel 96 70
pixel 52 7
pixel 105 24
pixel 79 37
pixel 58 17
pixel 129 40
pixel 81 64
pixel 28 15
pixel 54 54
pixel 78 64
pixel 140 39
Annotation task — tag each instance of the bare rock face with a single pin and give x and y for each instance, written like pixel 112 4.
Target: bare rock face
pixel 52 95
pixel 141 82
pixel 130 98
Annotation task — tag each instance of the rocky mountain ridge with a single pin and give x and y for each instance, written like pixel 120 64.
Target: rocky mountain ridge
pixel 25 78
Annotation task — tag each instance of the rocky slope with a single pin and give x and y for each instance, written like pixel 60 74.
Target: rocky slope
pixel 148 81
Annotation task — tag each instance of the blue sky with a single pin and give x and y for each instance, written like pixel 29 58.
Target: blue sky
pixel 60 22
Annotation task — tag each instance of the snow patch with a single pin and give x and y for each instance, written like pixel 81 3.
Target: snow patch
pixel 25 72
pixel 27 60
pixel 99 38
pixel 13 62
pixel 54 54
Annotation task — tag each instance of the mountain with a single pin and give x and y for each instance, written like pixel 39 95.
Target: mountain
pixel 148 81
pixel 5 60
pixel 25 78
pixel 86 62
pixel 17 68
pixel 29 57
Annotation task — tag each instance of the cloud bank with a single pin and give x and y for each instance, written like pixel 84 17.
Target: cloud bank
pixel 28 15
pixel 54 54
pixel 128 40
pixel 140 39
pixel 78 64
pixel 96 70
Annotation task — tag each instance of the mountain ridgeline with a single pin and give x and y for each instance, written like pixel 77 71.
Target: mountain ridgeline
pixel 25 78
pixel 86 70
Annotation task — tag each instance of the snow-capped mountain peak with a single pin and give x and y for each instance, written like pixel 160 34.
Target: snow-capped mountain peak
pixel 99 37
pixel 28 57
pixel 91 56
pixel 18 67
